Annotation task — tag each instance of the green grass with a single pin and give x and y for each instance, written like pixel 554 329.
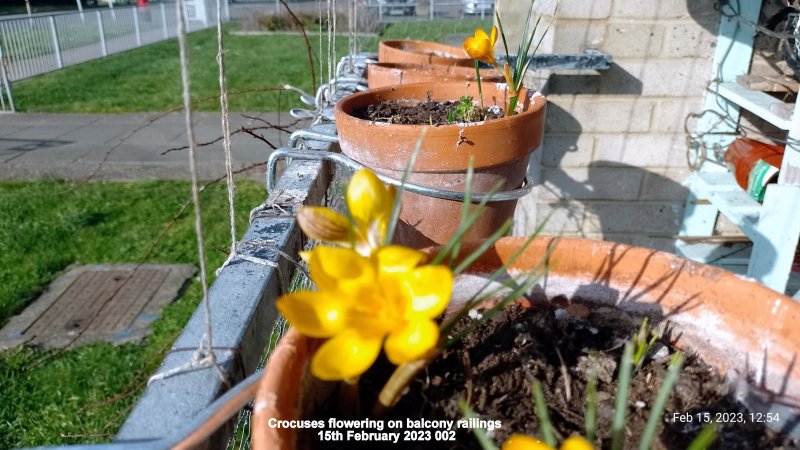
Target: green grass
pixel 84 394
pixel 148 78
pixel 42 231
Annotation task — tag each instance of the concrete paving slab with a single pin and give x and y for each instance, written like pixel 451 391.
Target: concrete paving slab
pixel 72 146
pixel 97 133
pixel 113 303
pixel 34 119
pixel 6 128
pixel 43 132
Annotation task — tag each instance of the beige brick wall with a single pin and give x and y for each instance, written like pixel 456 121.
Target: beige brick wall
pixel 614 155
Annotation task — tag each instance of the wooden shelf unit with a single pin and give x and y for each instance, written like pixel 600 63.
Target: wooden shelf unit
pixel 774 226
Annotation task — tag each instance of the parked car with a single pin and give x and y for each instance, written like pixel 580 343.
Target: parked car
pixel 399 7
pixel 485 7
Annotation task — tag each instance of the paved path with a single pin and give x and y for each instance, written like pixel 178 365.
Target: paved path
pixel 127 146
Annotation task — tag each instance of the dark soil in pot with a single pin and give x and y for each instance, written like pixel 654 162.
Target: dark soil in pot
pixel 495 366
pixel 410 112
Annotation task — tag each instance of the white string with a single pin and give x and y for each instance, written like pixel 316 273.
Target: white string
pixel 321 66
pixel 331 45
pixel 332 54
pixel 226 126
pixel 204 356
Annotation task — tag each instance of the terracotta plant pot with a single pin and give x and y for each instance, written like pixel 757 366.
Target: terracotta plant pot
pixel 394 74
pixel 501 149
pixel 422 52
pixel 730 322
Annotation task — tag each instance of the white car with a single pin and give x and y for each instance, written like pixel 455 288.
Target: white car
pixel 485 7
pixel 399 7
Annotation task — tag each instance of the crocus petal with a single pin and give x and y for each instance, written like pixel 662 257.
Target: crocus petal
pixel 576 443
pixel 395 258
pixel 480 49
pixel 340 269
pixel 314 314
pixel 345 356
pixel 522 442
pixel 324 224
pixel 412 341
pixel 481 46
pixel 429 288
pixel 368 198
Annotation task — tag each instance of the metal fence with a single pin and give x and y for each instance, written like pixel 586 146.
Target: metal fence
pixel 34 45
pixel 383 10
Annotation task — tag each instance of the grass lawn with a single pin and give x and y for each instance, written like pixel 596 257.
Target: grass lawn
pixel 147 79
pixel 85 394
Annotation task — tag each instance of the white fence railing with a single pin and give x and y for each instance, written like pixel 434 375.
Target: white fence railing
pixel 39 44
pixel 382 10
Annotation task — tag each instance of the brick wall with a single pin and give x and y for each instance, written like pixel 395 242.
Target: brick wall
pixel 614 154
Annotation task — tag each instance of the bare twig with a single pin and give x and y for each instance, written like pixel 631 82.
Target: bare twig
pixel 150 122
pixel 259 137
pixel 269 126
pixel 308 45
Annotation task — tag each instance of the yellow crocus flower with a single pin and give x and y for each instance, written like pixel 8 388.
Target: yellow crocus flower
pixel 367 303
pixel 522 442
pixel 481 46
pixel 370 203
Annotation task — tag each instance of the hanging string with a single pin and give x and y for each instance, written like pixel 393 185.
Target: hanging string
pixel 321 65
pixel 332 54
pixel 226 125
pixel 204 356
pixel 331 19
pixel 351 39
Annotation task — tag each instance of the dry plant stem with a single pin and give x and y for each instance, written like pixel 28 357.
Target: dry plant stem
pixel 308 45
pixel 399 381
pixel 349 397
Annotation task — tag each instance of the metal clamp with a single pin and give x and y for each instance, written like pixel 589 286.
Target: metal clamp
pixel 446 194
pixel 311 135
pixel 358 61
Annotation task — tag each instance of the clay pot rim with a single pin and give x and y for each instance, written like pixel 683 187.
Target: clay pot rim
pixel 763 297
pixel 488 144
pixel 537 102
pixel 437 68
pixel 408 45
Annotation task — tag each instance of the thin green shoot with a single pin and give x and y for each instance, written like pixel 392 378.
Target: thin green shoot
pixel 465 225
pixel 491 312
pixel 545 427
pixel 643 341
pixel 502 270
pixel 490 241
pixel 705 438
pixel 480 87
pixel 656 413
pixel 591 407
pixel 452 319
pixel 479 297
pixel 502 32
pixel 623 390
pixel 480 433
pixel 401 189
